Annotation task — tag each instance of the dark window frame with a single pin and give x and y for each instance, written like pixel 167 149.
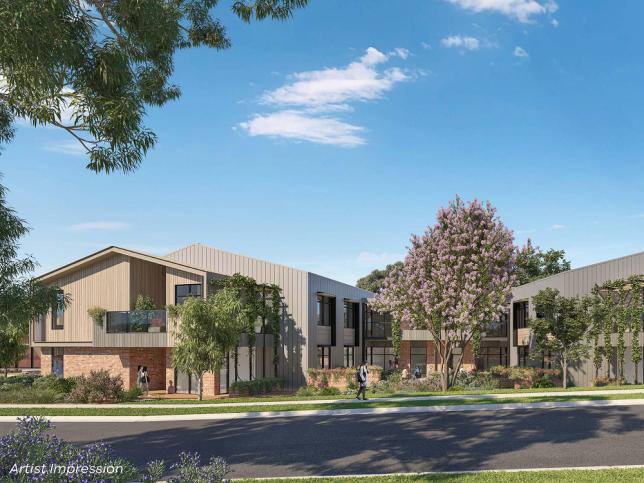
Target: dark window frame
pixel 58 313
pixel 324 353
pixel 190 294
pixel 349 356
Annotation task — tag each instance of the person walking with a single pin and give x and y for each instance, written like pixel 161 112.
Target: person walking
pixel 362 376
pixel 144 380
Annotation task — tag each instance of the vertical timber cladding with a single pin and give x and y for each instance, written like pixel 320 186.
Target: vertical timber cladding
pixel 577 282
pixel 341 291
pixel 103 283
pixel 295 352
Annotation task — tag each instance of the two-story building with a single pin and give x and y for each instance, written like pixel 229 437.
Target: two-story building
pixel 321 318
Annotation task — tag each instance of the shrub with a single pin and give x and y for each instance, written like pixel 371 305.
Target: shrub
pixel 329 391
pixel 30 445
pixel 132 394
pixel 18 394
pixel 97 314
pixel 308 391
pixel 257 386
pixel 54 383
pixel 98 387
pixel 608 381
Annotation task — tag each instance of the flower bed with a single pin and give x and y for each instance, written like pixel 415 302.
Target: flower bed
pixel 342 378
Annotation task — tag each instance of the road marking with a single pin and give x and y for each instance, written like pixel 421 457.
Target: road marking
pixel 340 412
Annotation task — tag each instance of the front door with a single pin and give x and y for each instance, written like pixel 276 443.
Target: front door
pixel 184 382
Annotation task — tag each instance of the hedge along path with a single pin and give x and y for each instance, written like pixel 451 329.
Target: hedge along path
pixel 571 394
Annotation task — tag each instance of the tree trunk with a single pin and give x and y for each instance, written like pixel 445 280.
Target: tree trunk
pixel 564 372
pixel 250 362
pixel 201 386
pixel 445 368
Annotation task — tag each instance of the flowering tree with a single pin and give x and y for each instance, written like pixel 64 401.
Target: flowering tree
pixel 456 278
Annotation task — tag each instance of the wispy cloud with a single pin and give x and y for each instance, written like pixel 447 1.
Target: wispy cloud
pixel 521 10
pixel 461 42
pixel 73 148
pixel 304 127
pixel 520 53
pixel 557 227
pixel 100 225
pixel 308 106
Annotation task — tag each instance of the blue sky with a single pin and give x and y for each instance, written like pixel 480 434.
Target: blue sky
pixel 324 142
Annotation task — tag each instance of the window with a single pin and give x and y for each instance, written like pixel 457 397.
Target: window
pixel 58 312
pixel 520 315
pixel 380 355
pixel 325 312
pixel 523 356
pixel 418 357
pixel 378 325
pixel 498 328
pixel 324 357
pixel 349 356
pixel 57 361
pixel 182 292
pixel 351 314
pixel 546 360
pixel 492 356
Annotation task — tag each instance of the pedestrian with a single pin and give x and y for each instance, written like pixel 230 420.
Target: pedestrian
pixel 144 380
pixel 362 376
pixel 139 377
pixel 417 372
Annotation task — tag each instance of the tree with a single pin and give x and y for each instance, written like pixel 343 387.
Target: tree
pixel 207 330
pixel 376 279
pixel 532 263
pixel 561 328
pixel 455 279
pixel 22 299
pixel 92 67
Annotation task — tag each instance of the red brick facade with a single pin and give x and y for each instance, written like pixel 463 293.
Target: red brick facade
pixel 125 362
pixel 433 361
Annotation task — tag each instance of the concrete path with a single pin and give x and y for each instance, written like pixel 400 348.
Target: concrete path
pixel 605 392
pixel 384 443
pixel 342 412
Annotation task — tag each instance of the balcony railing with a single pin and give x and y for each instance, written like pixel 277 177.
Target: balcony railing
pixel 497 328
pixel 136 321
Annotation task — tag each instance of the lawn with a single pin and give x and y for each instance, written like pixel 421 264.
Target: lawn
pixel 293 397
pixel 577 476
pixel 157 411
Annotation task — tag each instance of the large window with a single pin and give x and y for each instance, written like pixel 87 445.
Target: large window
pixel 492 356
pixel 524 355
pixel 520 314
pixel 380 355
pixel 349 356
pixel 498 328
pixel 324 357
pixel 378 325
pixel 182 292
pixel 350 312
pixel 418 357
pixel 58 312
pixel 325 312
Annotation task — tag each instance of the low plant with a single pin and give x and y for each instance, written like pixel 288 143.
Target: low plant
pixel 310 390
pixel 35 390
pixel 31 445
pixel 254 387
pixel 64 385
pixel 97 314
pixel 97 387
pixel 132 394
pixel 608 381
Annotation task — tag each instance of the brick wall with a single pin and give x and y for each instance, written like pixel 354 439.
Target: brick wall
pixel 45 361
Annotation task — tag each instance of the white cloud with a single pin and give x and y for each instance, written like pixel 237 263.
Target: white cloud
pixel 521 10
pixel 73 148
pixel 557 227
pixel 303 126
pixel 554 22
pixel 100 225
pixel 306 103
pixel 520 52
pixel 461 41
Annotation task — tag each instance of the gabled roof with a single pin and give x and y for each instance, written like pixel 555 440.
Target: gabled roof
pixel 111 250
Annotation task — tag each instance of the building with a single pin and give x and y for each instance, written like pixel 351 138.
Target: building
pixel 576 282
pixel 321 318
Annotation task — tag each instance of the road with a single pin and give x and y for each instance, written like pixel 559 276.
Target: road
pixel 385 443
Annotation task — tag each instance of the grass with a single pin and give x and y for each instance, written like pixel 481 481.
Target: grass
pixel 157 411
pixel 293 397
pixel 577 476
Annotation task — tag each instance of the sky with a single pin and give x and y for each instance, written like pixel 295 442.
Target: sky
pixel 325 141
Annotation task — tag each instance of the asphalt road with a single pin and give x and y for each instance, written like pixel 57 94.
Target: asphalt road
pixel 385 443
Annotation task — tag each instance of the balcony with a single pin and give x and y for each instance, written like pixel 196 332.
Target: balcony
pixel 523 336
pixel 136 321
pixel 496 328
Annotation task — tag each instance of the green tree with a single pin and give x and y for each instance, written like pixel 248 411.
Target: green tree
pixel 206 330
pixel 22 299
pixel 561 328
pixel 376 279
pixel 532 263
pixel 92 67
